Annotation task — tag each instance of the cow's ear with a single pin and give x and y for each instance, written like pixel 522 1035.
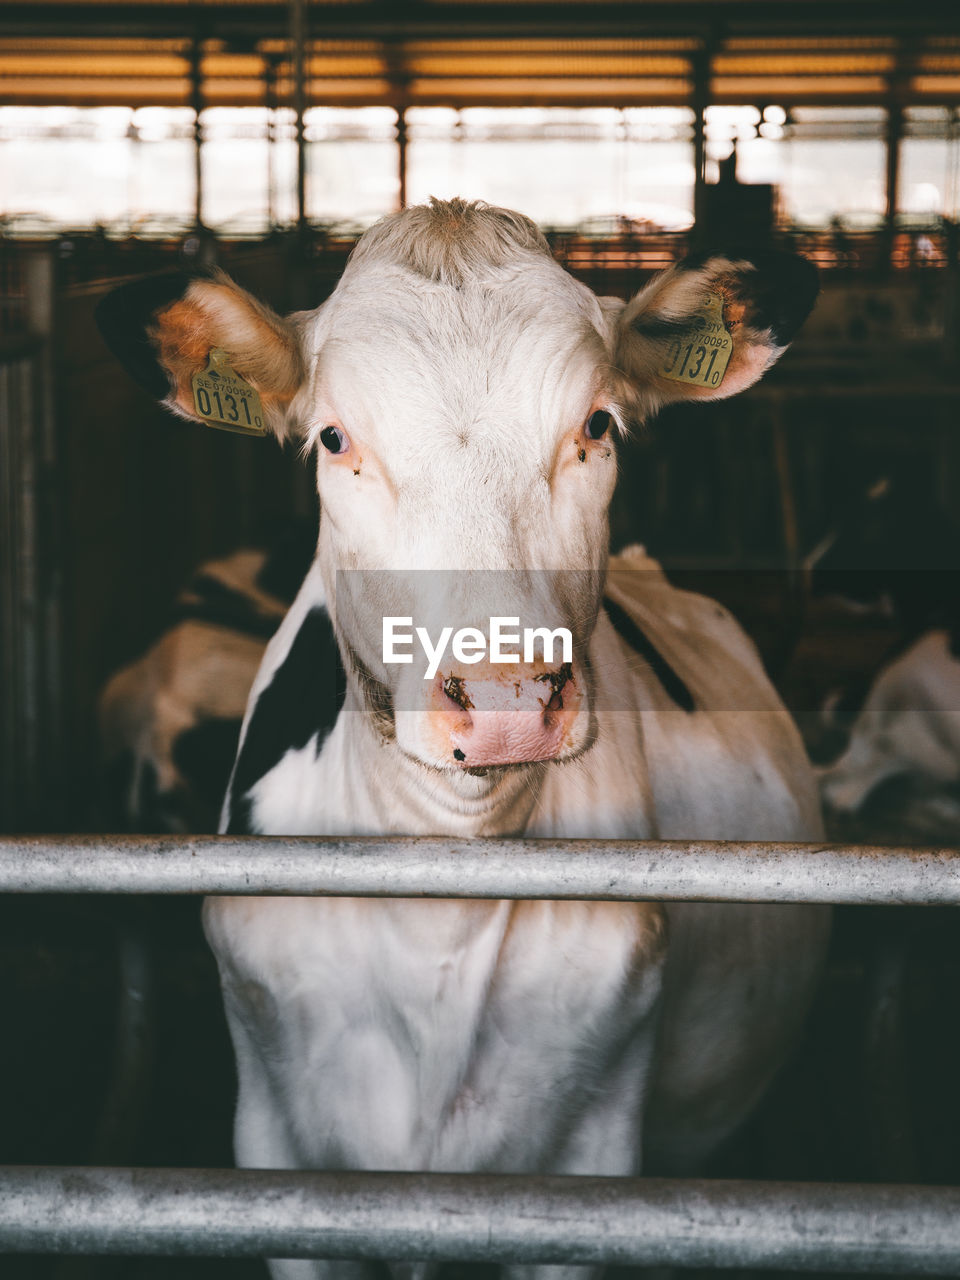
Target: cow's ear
pixel 712 325
pixel 163 329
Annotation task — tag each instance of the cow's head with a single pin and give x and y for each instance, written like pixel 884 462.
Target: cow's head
pixel 463 395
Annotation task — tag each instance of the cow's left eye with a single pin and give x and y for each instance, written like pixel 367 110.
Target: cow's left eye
pixel 334 440
pixel 597 424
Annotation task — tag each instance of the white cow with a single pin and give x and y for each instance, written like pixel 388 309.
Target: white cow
pixel 908 727
pixel 463 393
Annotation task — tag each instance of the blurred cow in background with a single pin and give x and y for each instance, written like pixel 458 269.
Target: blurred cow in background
pixel 899 553
pixel 170 720
pixel 908 728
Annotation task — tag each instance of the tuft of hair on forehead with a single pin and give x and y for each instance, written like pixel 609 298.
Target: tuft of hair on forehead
pixel 452 241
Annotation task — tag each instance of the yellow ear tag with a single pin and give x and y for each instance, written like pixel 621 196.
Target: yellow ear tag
pixel 223 400
pixel 700 355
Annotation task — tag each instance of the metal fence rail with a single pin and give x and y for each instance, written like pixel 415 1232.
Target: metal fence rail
pixel 481 1218
pixel 405 867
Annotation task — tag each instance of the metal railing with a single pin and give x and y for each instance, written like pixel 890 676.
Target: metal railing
pixel 434 867
pixel 481 1217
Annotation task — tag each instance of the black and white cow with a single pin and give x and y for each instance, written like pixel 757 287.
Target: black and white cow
pixel 899 552
pixel 170 720
pixel 464 395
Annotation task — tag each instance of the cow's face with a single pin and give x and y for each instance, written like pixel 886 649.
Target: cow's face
pixel 463 395
pixel 465 463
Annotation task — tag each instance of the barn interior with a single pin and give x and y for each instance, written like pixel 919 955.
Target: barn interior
pixel 262 138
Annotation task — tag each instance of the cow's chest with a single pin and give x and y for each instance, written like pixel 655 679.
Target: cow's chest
pixel 432 1035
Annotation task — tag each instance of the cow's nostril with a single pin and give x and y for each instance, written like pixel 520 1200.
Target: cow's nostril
pixel 556 680
pixel 455 691
pixel 458 754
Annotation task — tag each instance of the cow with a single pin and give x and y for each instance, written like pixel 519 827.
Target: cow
pixel 169 721
pixel 908 728
pixel 897 552
pixel 463 395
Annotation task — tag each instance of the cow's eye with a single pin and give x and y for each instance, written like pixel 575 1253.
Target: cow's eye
pixel 334 440
pixel 597 424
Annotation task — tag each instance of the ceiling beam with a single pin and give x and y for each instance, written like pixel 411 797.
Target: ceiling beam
pixel 428 20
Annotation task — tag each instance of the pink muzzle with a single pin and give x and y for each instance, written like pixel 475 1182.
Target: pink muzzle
pixel 512 717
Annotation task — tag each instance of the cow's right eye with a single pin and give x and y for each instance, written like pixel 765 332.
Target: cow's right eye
pixel 598 423
pixel 334 440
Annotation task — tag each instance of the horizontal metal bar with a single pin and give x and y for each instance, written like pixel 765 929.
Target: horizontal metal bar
pixel 481 1218
pixel 430 867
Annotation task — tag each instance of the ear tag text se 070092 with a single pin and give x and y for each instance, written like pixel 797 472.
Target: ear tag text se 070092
pixel 699 356
pixel 223 400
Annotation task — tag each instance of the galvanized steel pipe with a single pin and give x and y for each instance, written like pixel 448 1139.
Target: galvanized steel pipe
pixel 481 1218
pixel 430 867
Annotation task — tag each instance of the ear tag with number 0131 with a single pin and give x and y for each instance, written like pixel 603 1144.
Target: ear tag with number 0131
pixel 699 356
pixel 223 400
